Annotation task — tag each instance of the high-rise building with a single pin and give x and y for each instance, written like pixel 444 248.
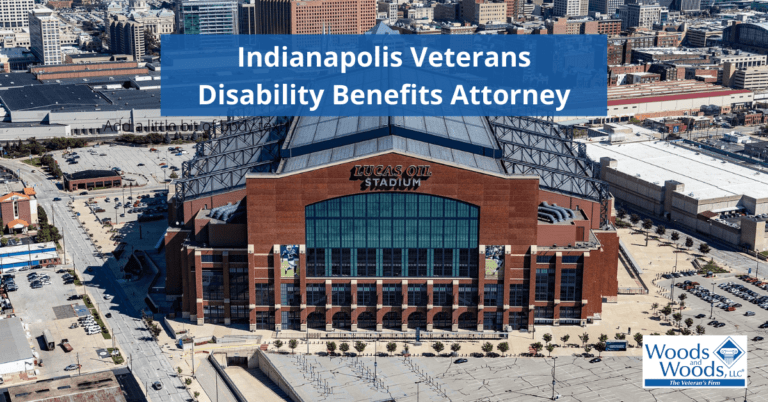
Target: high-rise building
pixel 14 14
pixel 571 8
pixel 246 13
pixel 639 15
pixel 687 5
pixel 44 36
pixel 207 17
pixel 126 37
pixel 607 7
pixel 315 17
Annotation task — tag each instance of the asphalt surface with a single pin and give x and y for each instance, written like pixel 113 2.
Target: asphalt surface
pixel 144 354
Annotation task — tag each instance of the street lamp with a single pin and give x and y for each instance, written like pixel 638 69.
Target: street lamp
pixel 417 390
pixel 554 371
pixel 712 304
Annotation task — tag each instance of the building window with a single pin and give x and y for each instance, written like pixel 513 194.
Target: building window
pixel 238 313
pixel 518 294
pixel 570 285
pixel 213 285
pixel 492 321
pixel 211 258
pixel 238 283
pixel 391 295
pixel 392 235
pixel 366 295
pixel 571 259
pixel 467 295
pixel 316 295
pixel 493 295
pixel 265 294
pixel 543 259
pixel 545 284
pixel 291 320
pixel 442 295
pixel 546 312
pixel 341 294
pixel 417 295
pixel 289 294
pixel 570 313
pixel 238 258
pixel 213 313
pixel 518 320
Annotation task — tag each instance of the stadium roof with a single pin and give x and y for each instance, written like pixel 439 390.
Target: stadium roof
pixel 41 97
pixel 14 80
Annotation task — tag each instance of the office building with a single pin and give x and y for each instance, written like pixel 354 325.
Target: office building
pixel 482 12
pixel 372 225
pixel 572 8
pixel 639 15
pixel 207 17
pixel 246 12
pixel 315 17
pixel 126 37
pixel 44 36
pixel 687 5
pixel 753 78
pixel 389 8
pixel 606 7
pixel 14 14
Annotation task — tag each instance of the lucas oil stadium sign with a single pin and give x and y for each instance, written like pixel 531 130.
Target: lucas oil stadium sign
pixel 390 177
pixel 700 362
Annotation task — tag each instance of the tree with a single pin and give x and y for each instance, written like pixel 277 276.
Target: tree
pixel 503 347
pixel 647 225
pixel 620 336
pixel 621 214
pixel 660 230
pixel 688 242
pixel 682 297
pixel 196 394
pixel 675 237
pixel 344 347
pixel 537 347
pixel 278 344
pixel 639 338
pixel 654 306
pixel 167 138
pixel 565 338
pixel 178 370
pixel 671 332
pixel 187 381
pixel 700 329
pixel 704 248
pixel 173 175
pixel 600 347
pixel 685 331
pixel 438 347
pixel 360 346
pixel 634 219
pixel 391 347
pixel 487 347
pixel 689 322
pixel 550 348
pixel 603 338
pixel 293 344
pixel 677 317
pixel 587 348
pixel 547 338
pixel 584 338
pixel 667 310
pixel 4 241
pixel 455 347
pixel 331 346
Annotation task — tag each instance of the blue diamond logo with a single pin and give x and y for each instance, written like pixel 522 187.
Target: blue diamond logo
pixel 729 352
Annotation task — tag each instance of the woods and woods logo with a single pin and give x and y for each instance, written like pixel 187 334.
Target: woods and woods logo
pixel 701 362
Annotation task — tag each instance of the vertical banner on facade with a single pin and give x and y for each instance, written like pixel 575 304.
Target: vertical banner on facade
pixel 289 261
pixel 494 261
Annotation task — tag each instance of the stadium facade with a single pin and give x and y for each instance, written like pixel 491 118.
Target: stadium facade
pixel 391 223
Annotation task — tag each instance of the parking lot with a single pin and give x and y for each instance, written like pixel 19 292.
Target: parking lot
pixel 138 164
pixel 50 308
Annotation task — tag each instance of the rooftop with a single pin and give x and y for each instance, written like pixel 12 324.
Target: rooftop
pixel 704 176
pixel 13 341
pixel 40 97
pixel 91 174
pixel 102 387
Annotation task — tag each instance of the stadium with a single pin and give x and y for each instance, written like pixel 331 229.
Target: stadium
pixel 391 223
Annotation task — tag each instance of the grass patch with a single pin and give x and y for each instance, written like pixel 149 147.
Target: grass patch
pixel 621 224
pixel 714 268
pixel 78 283
pixel 100 323
pixel 33 162
pixel 117 359
pixel 764 253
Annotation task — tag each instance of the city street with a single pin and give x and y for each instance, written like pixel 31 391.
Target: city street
pixel 142 353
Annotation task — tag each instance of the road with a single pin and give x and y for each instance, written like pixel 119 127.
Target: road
pixel 133 338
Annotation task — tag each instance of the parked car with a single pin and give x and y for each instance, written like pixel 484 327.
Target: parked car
pixel 459 361
pixel 72 367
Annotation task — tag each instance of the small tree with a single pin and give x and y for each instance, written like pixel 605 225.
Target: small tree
pixel 704 248
pixel 278 344
pixel 677 317
pixel 550 348
pixel 620 336
pixel 565 338
pixel 639 338
pixel 584 338
pixel 196 394
pixel 667 310
pixel 344 347
pixel 587 348
pixel 178 370
pixel 547 338
pixel 293 344
pixel 487 347
pixel 685 331
pixel 173 175
pixel 671 332
pixel 455 347
pixel 689 322
pixel 537 347
pixel 654 306
pixel 187 381
pixel 688 243
pixel 391 347
pixel 634 219
pixel 647 225
pixel 503 347
pixel 603 338
pixel 331 346
pixel 660 230
pixel 675 237
pixel 438 347
pixel 621 214
pixel 360 346
pixel 700 329
pixel 600 347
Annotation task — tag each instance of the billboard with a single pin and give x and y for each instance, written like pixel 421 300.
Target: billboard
pixel 289 261
pixel 494 261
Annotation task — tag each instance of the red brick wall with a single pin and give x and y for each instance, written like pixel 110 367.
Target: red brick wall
pixel 7 210
pixel 173 260
pixel 24 211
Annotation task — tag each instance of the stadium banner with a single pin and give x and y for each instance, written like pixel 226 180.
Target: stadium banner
pixel 384 75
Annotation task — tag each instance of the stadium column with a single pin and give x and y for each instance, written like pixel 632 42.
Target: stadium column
pixel 277 288
pixel 480 287
pixel 558 275
pixel 354 312
pixel 251 289
pixel 505 285
pixel 227 295
pixel 187 271
pixel 303 284
pixel 455 306
pixel 198 289
pixel 430 305
pixel 531 286
pixel 404 307
pixel 379 302
pixel 328 305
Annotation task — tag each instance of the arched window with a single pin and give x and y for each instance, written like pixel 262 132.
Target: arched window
pixel 392 235
pixel 392 320
pixel 442 320
pixel 316 320
pixel 366 320
pixel 468 321
pixel 341 320
pixel 417 320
